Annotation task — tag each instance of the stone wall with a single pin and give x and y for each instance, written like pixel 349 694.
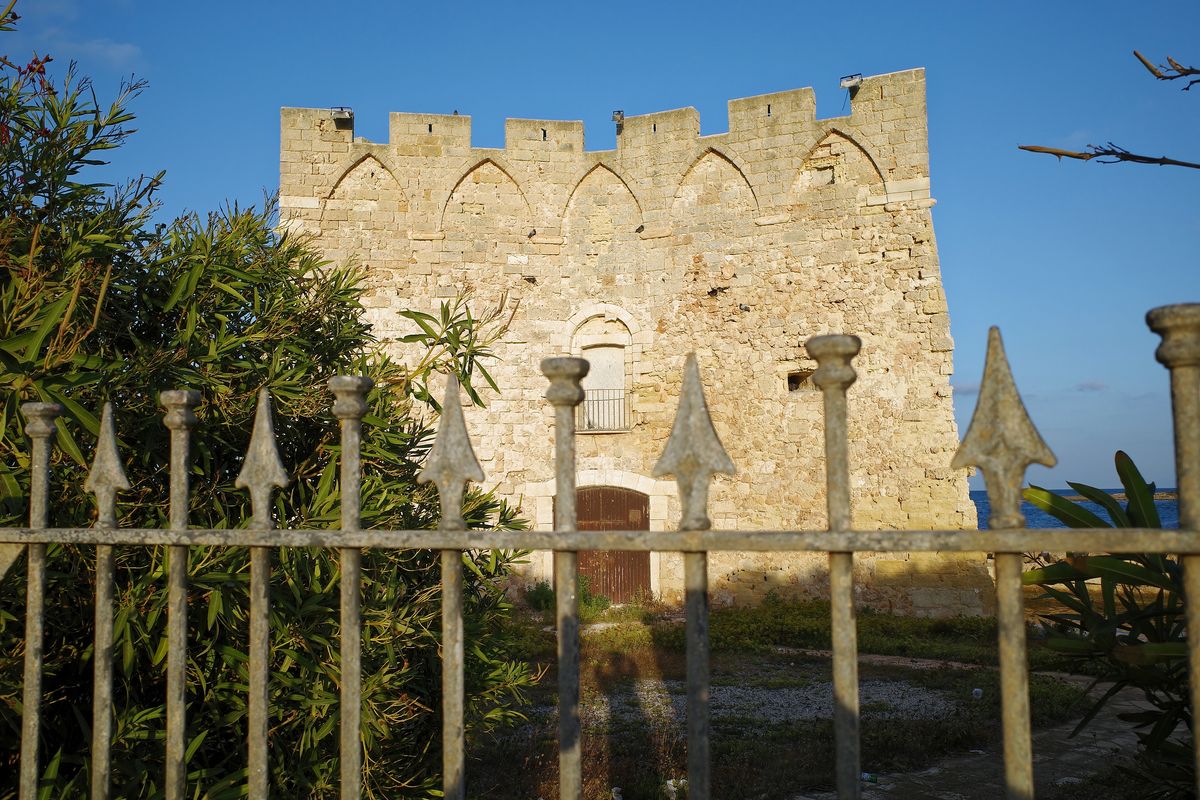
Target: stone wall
pixel 738 246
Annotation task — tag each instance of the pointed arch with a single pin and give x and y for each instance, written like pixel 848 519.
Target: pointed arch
pixel 724 162
pixel 711 176
pixel 600 224
pixel 587 173
pixel 364 217
pixel 368 188
pixel 474 165
pixel 858 152
pixel 353 162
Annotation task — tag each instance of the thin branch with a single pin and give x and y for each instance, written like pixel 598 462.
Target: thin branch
pixel 1109 154
pixel 1174 71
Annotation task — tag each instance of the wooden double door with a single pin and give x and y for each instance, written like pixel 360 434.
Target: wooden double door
pixel 622 576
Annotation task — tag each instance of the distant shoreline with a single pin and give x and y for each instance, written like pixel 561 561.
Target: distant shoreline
pixel 1166 494
pixel 1121 496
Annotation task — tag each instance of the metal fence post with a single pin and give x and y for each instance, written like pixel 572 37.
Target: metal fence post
pixel 693 454
pixel 564 394
pixel 350 406
pixel 39 427
pixel 262 472
pixel 1002 441
pixel 1179 326
pixel 106 477
pixel 450 465
pixel 834 376
pixel 180 420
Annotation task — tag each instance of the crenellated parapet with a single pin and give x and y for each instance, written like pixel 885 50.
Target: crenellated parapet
pixel 770 141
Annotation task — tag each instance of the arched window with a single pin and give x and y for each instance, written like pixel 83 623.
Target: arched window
pixel 604 404
pixel 604 341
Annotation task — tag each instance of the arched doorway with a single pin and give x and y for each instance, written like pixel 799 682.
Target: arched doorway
pixel 622 576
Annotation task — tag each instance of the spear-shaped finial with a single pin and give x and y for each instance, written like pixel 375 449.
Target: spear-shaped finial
pixel 693 453
pixel 1001 439
pixel 107 476
pixel 262 470
pixel 452 460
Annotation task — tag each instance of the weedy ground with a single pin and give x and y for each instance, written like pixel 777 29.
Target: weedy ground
pixel 775 741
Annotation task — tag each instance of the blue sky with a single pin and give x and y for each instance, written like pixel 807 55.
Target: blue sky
pixel 1065 258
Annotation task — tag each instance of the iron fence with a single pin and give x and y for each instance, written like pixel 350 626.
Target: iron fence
pixel 1001 441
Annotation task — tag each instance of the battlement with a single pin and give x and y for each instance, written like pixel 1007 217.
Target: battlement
pixel 795 107
pixel 775 145
pixel 543 136
pixel 762 115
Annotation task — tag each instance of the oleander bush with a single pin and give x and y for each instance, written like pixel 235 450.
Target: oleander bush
pixel 98 302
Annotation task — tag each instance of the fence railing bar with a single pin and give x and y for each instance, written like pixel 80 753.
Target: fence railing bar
pixel 104 480
pixel 565 394
pixel 693 453
pixel 1002 441
pixel 180 420
pixel 450 465
pixel 833 376
pixel 1113 540
pixel 1179 326
pixel 262 472
pixel 39 426
pixel 349 407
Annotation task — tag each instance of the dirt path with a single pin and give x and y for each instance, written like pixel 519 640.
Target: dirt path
pixel 1059 760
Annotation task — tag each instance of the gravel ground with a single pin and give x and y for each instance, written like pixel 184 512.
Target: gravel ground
pixel 656 700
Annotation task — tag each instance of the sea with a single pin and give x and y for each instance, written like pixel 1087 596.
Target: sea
pixel 1168 510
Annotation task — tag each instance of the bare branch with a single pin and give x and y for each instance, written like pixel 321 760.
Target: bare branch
pixel 1109 154
pixel 1169 73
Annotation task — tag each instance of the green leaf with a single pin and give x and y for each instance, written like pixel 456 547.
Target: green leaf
pixel 1122 571
pixel 1062 509
pixel 1072 647
pixel 1141 509
pixel 1143 654
pixel 51 316
pixel 1104 499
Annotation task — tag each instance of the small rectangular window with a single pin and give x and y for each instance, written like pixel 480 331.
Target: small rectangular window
pixel 800 379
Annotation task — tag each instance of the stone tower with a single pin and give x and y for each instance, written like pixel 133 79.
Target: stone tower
pixel 738 246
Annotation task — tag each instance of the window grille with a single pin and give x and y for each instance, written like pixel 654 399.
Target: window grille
pixel 603 410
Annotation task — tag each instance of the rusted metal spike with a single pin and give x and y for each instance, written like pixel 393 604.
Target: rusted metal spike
pixel 262 470
pixel 451 460
pixel 1001 439
pixel 107 476
pixel 693 453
